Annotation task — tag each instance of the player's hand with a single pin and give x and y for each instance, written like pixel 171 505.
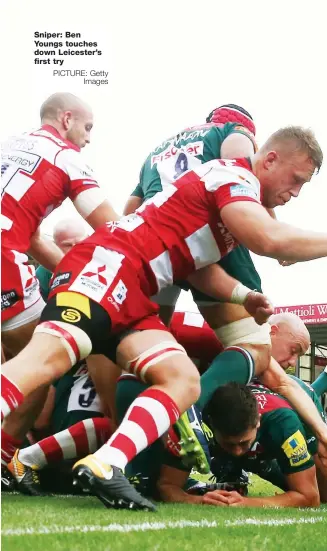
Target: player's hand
pixel 285 263
pixel 236 500
pixel 218 498
pixel 258 306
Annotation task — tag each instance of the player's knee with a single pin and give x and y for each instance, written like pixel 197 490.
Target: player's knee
pixel 193 387
pixel 73 339
pixel 162 354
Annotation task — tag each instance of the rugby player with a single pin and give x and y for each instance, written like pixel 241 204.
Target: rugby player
pixel 229 132
pixel 74 413
pixel 40 169
pixel 248 427
pixel 76 401
pixel 66 233
pixel 114 272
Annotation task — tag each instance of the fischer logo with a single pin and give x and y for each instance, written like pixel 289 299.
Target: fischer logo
pixel 193 149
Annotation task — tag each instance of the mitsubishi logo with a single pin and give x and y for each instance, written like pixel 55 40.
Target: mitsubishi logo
pixel 100 277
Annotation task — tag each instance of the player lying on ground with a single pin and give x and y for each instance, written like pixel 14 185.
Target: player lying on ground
pixel 115 271
pixel 290 339
pixel 226 467
pixel 270 430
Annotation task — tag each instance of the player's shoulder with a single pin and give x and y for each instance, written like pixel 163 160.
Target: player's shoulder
pixel 237 172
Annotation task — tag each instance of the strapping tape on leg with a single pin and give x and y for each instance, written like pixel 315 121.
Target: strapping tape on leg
pixel 244 331
pixel 152 356
pixel 75 340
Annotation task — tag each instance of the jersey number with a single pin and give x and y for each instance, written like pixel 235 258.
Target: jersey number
pixel 181 165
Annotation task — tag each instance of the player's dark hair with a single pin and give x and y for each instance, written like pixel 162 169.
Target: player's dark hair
pixel 233 409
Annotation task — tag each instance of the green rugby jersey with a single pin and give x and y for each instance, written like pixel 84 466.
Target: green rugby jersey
pixel 186 150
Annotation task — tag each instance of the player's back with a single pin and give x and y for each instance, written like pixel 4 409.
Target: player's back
pixel 184 151
pixel 37 172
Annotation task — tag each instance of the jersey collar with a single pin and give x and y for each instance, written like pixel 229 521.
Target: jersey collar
pixel 52 130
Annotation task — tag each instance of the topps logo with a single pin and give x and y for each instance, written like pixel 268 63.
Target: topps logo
pixel 60 279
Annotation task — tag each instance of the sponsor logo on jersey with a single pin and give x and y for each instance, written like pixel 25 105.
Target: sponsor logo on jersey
pixel 24 160
pixel 295 449
pixel 60 279
pixel 120 291
pixel 71 315
pixel 193 149
pixel 98 274
pixel 8 299
pixel 239 190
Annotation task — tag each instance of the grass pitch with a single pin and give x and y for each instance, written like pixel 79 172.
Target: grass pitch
pixel 83 524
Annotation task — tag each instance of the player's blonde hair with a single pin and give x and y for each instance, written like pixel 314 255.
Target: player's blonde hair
pixel 295 138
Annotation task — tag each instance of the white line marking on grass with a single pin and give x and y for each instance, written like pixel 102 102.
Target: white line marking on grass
pixel 148 526
pixel 143 527
pixel 275 522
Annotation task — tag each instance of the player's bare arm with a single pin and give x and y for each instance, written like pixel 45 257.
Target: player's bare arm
pixel 170 486
pixel 236 146
pixel 321 473
pixel 251 225
pixel 214 281
pixel 303 492
pixel 132 204
pixel 102 214
pixel 45 251
pixel 275 378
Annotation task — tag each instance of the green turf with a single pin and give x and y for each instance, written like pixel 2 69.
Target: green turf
pixel 87 513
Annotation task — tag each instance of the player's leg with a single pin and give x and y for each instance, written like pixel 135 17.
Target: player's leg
pixel 19 422
pixel 157 358
pixel 78 428
pixel 21 301
pixel 143 471
pixel 167 299
pixel 44 359
pixel 17 338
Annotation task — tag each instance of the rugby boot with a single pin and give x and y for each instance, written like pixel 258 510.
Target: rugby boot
pixel 108 484
pixel 27 478
pixel 7 480
pixel 193 441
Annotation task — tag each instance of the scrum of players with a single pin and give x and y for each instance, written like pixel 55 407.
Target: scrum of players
pixel 101 380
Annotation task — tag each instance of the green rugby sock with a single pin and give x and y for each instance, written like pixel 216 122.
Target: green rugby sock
pixel 320 384
pixel 234 364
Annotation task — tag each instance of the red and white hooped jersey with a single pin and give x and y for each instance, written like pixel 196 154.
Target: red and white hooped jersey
pixel 199 340
pixel 39 170
pixel 180 229
pixel 172 235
